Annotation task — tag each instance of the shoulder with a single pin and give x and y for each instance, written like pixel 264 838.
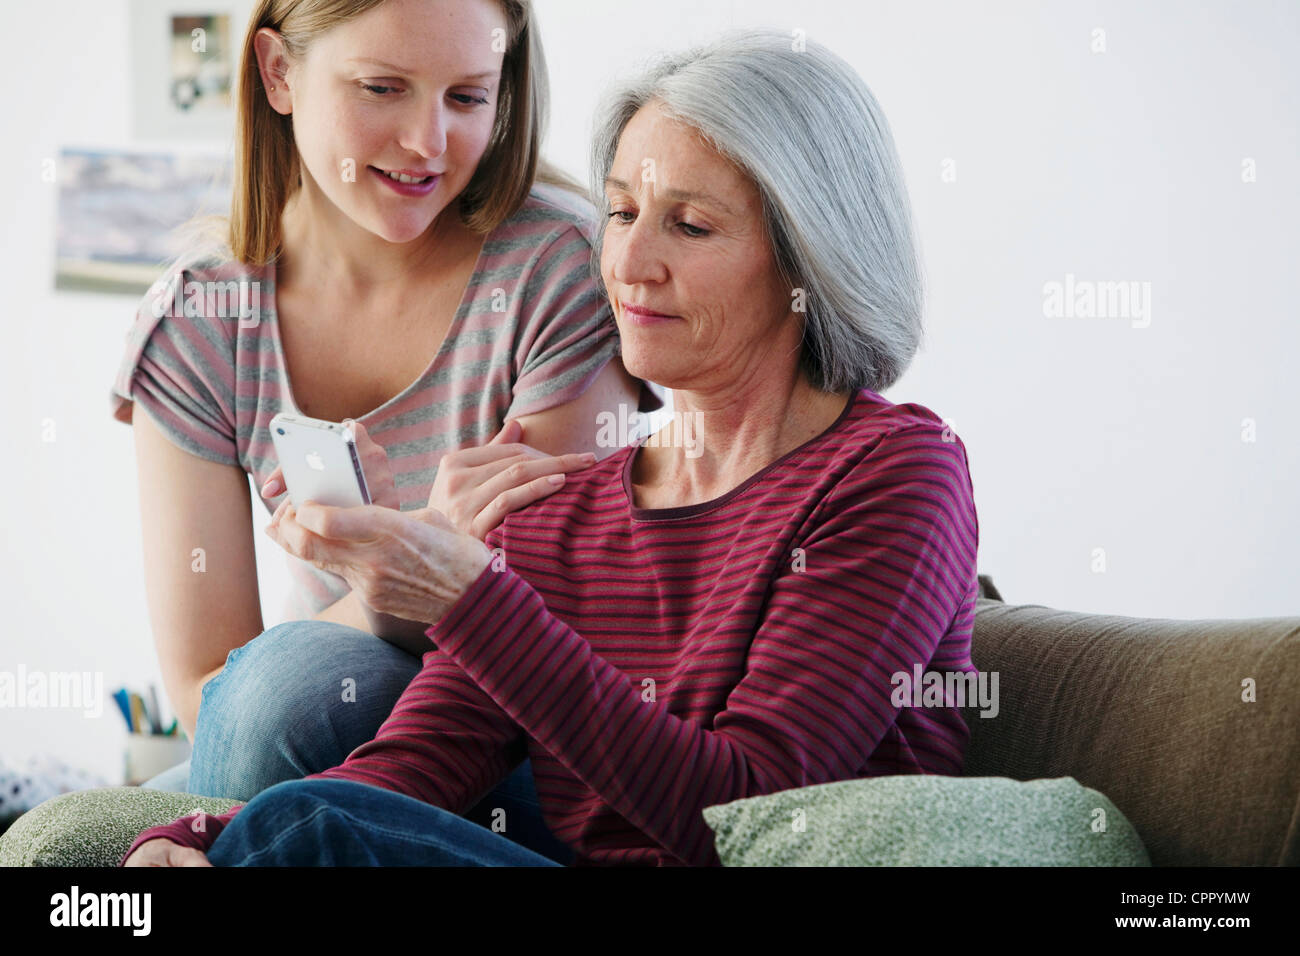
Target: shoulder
pixel 879 442
pixel 891 479
pixel 196 311
pixel 182 349
pixel 206 267
pixel 873 418
pixel 591 497
pixel 209 289
pixel 547 249
pixel 551 213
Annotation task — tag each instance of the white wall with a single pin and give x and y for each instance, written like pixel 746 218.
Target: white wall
pixel 1083 433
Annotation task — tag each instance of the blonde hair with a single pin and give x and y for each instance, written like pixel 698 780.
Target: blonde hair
pixel 267 171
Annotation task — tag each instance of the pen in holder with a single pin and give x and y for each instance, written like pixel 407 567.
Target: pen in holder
pixel 150 748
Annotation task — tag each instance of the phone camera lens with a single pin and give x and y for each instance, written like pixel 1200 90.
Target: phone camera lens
pixel 279 431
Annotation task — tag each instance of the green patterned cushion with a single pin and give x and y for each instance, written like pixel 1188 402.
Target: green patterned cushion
pixel 927 820
pixel 94 827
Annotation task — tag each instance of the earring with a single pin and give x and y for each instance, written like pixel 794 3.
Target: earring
pixel 273 89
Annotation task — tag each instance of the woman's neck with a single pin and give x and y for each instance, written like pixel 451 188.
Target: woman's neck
pixel 722 439
pixel 322 247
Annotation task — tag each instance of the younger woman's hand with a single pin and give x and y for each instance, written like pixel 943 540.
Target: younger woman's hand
pixel 477 487
pixel 374 462
pixel 163 852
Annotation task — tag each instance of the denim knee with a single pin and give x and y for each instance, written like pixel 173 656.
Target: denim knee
pixel 346 823
pixel 304 823
pixel 271 817
pixel 294 701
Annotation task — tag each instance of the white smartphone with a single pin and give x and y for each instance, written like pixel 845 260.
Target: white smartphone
pixel 319 461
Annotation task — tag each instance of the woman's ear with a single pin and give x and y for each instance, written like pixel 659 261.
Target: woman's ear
pixel 273 66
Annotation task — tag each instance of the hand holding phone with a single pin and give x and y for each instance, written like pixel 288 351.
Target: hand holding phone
pixel 319 461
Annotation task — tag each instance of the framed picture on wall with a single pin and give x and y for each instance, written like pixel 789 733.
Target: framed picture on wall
pixel 118 211
pixel 184 58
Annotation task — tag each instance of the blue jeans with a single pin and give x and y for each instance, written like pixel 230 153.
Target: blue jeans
pixel 344 823
pixel 278 712
pixel 175 780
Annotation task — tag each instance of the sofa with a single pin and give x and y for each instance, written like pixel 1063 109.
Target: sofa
pixel 1189 728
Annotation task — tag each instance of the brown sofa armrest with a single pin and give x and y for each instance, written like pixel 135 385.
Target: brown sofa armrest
pixel 1151 713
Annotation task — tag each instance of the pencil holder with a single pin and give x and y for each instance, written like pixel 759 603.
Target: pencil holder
pixel 148 755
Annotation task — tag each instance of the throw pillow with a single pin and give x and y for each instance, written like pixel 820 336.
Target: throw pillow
pixel 95 827
pixel 927 820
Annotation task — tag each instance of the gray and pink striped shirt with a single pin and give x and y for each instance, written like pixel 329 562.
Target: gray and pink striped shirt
pixel 655 662
pixel 532 332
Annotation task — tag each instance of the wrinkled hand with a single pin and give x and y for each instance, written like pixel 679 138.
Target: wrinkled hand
pixel 477 487
pixel 412 565
pixel 163 852
pixel 374 462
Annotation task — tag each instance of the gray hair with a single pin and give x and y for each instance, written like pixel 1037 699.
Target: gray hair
pixel 808 131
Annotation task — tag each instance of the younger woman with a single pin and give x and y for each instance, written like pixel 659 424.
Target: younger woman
pixel 401 258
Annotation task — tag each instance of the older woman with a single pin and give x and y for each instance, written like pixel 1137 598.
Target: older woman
pixel 671 631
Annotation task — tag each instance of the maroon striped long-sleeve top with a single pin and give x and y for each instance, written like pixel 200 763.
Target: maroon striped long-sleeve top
pixel 660 661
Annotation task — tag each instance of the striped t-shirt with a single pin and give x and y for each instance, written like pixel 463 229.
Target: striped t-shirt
pixel 656 662
pixel 532 332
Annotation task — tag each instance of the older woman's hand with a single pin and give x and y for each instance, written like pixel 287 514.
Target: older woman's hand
pixel 163 852
pixel 412 565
